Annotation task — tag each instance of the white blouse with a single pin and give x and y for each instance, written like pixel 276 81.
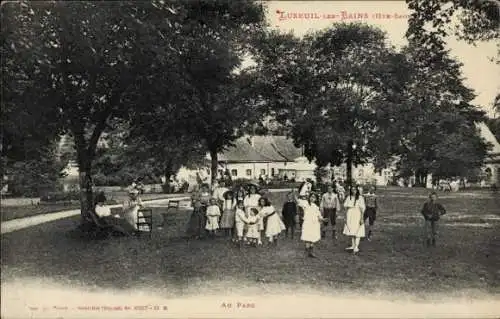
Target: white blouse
pixel 102 211
pixel 351 202
pixel 251 200
pixel 213 210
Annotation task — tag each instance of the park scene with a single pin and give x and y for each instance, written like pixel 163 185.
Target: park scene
pixel 256 159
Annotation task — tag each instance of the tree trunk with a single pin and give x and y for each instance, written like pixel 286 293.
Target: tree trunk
pixel 349 164
pixel 214 165
pixel 86 192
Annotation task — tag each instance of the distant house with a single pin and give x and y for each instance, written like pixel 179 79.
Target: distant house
pixel 254 156
pixel 277 157
pixel 491 167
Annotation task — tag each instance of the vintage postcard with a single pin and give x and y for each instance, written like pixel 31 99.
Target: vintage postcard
pixel 250 159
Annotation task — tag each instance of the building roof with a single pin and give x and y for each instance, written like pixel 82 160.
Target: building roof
pixel 486 133
pixel 264 149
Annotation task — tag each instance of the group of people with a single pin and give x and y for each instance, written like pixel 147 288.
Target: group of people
pixel 249 217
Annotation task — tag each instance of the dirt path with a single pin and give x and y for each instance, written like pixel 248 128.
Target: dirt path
pixel 17 224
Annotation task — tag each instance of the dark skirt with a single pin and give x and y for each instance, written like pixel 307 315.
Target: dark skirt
pixel 197 221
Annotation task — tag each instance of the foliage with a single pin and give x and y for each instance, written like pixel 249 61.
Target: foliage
pixel 431 22
pixel 85 64
pixel 32 177
pixel 328 88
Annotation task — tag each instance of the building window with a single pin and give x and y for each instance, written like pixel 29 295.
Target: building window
pixel 249 172
pixel 272 171
pixel 234 172
pixel 262 172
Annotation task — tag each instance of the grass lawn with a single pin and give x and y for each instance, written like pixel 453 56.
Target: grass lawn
pixel 396 261
pixel 21 211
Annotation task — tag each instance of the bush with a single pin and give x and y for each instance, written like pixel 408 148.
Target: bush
pixel 53 197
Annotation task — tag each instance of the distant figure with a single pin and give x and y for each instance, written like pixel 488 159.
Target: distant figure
pixel 432 212
pixel 289 213
pixel 285 178
pixel 371 210
pixel 131 210
pixel 213 214
pixel 354 225
pixel 340 191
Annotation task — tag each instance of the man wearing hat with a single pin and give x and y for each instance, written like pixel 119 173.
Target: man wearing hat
pixel 131 207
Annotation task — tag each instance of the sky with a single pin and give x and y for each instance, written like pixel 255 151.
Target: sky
pixel 479 72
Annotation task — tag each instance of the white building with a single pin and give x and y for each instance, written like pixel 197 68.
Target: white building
pixel 277 156
pixel 491 167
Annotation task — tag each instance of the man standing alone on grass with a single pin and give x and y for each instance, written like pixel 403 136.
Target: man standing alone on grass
pixel 432 212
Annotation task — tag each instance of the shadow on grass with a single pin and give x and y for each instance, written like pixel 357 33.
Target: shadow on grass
pixel 396 260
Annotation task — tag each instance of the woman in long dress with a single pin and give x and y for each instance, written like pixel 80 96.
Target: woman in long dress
pixel 274 224
pixel 131 210
pixel 228 213
pixel 354 223
pixel 311 226
pixel 197 221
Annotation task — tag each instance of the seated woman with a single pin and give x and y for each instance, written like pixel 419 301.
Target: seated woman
pixel 115 222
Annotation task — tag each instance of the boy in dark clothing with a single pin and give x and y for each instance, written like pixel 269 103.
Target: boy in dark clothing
pixel 289 214
pixel 432 212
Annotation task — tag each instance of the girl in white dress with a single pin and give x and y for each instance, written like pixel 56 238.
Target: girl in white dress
pixel 240 221
pixel 274 224
pixel 213 214
pixel 253 233
pixel 311 226
pixel 252 201
pixel 354 224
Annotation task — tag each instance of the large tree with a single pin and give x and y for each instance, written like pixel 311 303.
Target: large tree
pixel 216 103
pixel 88 63
pixel 329 87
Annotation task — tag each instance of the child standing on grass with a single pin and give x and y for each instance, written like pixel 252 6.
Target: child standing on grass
pixel 228 214
pixel 354 224
pixel 240 221
pixel 253 231
pixel 311 227
pixel 432 212
pixel 289 213
pixel 371 210
pixel 213 214
pixel 274 224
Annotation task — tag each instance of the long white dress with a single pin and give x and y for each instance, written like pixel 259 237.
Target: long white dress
pixel 213 213
pixel 311 227
pixel 131 214
pixel 354 216
pixel 274 224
